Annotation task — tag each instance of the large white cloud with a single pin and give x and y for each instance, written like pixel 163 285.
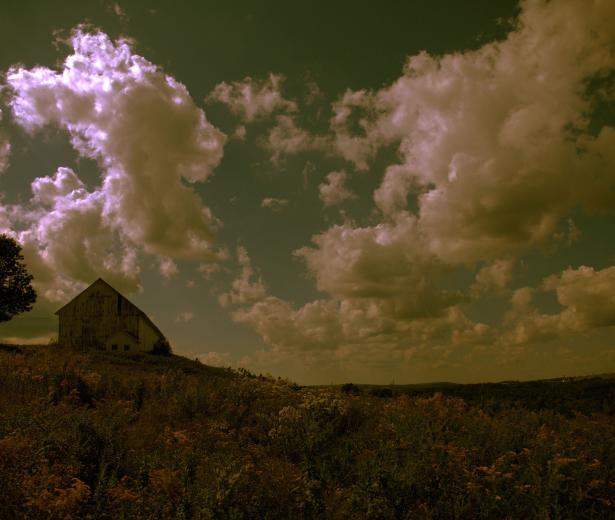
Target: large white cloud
pixel 68 240
pixel 148 137
pixel 496 147
pixel 496 144
pixel 5 149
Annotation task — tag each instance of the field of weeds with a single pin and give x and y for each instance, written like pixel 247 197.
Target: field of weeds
pixel 101 437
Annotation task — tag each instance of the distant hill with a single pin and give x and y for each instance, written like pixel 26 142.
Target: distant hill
pixel 566 395
pixel 94 435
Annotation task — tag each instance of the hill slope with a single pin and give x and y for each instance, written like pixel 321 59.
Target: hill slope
pixel 98 436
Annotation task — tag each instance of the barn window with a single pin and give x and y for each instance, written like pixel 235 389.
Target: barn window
pixel 126 347
pixel 114 346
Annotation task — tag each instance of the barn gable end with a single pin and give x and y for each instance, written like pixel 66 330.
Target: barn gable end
pixel 100 317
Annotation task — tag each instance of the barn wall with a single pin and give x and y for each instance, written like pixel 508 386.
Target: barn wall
pixel 148 336
pixel 96 314
pixel 121 343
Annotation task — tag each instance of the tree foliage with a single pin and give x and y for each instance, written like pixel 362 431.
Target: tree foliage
pixel 162 348
pixel 16 292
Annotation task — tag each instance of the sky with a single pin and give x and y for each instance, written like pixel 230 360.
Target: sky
pixel 390 192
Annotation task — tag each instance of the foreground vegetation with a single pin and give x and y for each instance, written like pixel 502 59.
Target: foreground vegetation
pixel 96 436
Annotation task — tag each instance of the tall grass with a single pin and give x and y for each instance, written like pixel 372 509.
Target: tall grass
pixel 96 436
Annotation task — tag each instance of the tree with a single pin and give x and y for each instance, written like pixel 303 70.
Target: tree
pixel 16 292
pixel 162 348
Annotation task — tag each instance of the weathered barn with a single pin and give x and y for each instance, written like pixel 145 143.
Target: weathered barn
pixel 101 318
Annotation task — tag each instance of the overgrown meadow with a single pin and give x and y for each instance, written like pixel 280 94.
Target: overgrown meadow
pixel 102 437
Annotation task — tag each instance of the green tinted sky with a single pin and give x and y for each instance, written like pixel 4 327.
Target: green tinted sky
pixel 470 186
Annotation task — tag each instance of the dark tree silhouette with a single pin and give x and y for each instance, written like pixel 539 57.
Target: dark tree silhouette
pixel 16 292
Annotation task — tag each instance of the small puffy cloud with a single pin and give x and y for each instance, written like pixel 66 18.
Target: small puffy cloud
pixel 286 138
pixel 333 191
pixel 252 99
pixel 117 9
pixel 184 317
pixel 215 359
pixel 5 149
pixel 240 132
pixel 167 267
pixel 208 270
pixel 494 276
pixel 384 302
pixel 150 141
pixel 524 323
pixel 245 288
pixel 356 137
pixel 275 205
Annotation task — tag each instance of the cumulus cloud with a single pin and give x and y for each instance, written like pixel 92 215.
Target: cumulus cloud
pixel 184 317
pixel 587 295
pixel 116 9
pixel 359 331
pixel 354 123
pixel 247 287
pixel 208 270
pixel 142 127
pixel 5 149
pixel 384 301
pixel 495 275
pixel 216 359
pixel 147 136
pixel 67 239
pixel 252 99
pixel 333 191
pixel 167 267
pixel 286 138
pixel 496 144
pixel 496 147
pixel 383 261
pixel 524 323
pixel 587 298
pixel 275 205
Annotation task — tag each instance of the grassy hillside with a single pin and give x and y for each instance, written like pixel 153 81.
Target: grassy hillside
pixel 98 436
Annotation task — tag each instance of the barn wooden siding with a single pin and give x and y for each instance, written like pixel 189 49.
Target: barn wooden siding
pixel 99 313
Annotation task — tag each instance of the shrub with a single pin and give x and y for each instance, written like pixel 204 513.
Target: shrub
pixel 381 392
pixel 161 348
pixel 350 389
